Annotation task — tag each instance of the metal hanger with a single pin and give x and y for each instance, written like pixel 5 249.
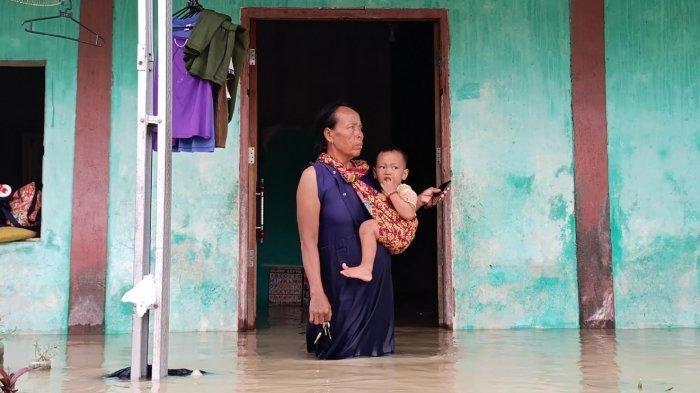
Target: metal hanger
pixel 68 14
pixel 192 8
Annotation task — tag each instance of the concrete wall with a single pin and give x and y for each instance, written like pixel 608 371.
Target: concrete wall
pixel 34 275
pixel 510 95
pixel 204 219
pixel 513 227
pixel 513 189
pixel 653 85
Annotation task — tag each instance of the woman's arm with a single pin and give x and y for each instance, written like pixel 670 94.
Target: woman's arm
pixel 308 210
pixel 430 197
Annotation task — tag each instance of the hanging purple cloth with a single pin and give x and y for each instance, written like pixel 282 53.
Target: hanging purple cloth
pixel 193 102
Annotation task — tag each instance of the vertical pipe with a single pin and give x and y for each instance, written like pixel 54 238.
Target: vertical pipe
pixel 142 230
pixel 164 191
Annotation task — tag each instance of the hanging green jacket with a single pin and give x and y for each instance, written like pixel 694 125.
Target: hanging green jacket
pixel 213 43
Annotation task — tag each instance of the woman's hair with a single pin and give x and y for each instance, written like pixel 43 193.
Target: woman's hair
pixel 326 119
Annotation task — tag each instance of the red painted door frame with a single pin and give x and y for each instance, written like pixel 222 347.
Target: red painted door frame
pixel 592 206
pixel 91 173
pixel 248 139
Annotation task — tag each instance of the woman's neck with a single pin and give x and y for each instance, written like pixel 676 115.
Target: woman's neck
pixel 345 160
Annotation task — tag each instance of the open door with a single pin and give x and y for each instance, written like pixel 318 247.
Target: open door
pixel 389 65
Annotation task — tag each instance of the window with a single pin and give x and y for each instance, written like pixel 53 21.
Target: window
pixel 21 123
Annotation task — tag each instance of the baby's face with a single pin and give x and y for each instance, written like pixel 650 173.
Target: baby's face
pixel 391 166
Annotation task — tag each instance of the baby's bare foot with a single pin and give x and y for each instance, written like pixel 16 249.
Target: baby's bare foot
pixel 359 272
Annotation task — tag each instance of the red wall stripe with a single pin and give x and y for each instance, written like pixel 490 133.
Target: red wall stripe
pixel 91 173
pixel 593 253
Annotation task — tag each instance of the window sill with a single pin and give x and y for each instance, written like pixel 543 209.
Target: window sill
pixel 25 241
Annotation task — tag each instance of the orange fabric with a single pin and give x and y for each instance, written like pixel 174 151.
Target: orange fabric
pixel 20 204
pixel 395 232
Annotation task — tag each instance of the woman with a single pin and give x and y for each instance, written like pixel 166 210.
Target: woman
pixel 329 213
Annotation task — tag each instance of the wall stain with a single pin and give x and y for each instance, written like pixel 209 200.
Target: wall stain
pixel 513 228
pixel 558 208
pixel 653 112
pixel 43 267
pixel 523 183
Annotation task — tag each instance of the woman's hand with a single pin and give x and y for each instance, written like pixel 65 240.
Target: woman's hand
pixel 431 197
pixel 319 309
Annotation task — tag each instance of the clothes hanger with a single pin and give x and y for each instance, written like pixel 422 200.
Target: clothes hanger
pixel 68 14
pixel 192 8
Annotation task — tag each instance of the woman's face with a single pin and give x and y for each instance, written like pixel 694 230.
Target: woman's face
pixel 345 139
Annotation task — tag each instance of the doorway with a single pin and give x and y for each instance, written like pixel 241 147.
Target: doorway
pixel 389 69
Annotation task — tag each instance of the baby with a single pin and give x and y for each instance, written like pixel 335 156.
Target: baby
pixel 394 220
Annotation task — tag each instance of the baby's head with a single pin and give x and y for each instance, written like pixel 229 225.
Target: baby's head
pixel 391 164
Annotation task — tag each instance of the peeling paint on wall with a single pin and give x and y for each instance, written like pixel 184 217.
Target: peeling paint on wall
pixel 513 222
pixel 653 79
pixel 513 203
pixel 514 257
pixel 34 279
pixel 204 251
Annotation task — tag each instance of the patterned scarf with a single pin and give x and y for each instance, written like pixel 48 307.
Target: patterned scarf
pixel 377 203
pixel 351 175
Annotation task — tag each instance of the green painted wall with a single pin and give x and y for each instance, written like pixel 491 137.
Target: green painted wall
pixel 34 275
pixel 287 154
pixel 204 212
pixel 513 225
pixel 513 189
pixel 653 85
pixel 513 229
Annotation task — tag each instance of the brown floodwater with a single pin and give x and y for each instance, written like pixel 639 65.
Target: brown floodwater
pixel 273 359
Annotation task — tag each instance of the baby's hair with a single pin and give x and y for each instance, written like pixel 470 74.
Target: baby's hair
pixel 393 148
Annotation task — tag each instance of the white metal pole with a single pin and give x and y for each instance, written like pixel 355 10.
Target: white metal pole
pixel 142 230
pixel 164 191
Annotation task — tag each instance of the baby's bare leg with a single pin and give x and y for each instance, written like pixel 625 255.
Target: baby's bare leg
pixel 369 232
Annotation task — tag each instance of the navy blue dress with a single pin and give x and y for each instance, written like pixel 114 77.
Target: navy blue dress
pixel 363 312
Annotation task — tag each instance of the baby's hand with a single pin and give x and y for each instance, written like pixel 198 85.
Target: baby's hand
pixel 388 186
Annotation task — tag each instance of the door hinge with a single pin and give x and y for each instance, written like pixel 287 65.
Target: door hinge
pixel 438 155
pixel 251 57
pixel 251 258
pixel 251 155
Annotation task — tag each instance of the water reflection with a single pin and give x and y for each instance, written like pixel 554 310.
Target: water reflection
pixel 83 352
pixel 661 359
pixel 517 360
pixel 426 360
pixel 599 370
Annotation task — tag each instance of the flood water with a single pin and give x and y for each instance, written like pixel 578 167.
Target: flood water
pixel 273 359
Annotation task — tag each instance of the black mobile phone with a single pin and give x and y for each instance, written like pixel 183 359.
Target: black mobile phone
pixel 444 185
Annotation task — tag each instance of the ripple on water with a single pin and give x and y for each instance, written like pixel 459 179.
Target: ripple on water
pixel 427 360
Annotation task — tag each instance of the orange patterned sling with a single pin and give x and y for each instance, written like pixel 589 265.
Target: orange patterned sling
pixel 395 232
